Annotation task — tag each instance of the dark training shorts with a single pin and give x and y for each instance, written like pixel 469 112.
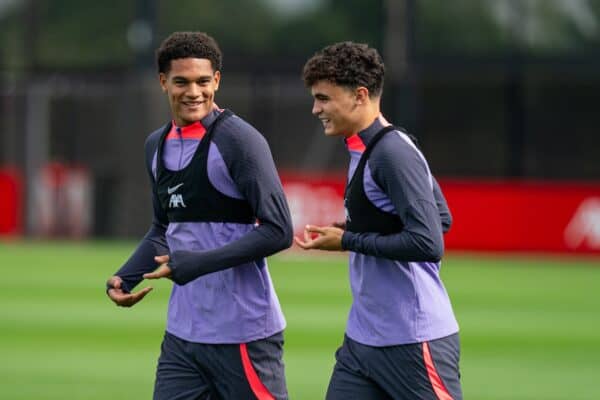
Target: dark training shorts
pixel 196 371
pixel 420 371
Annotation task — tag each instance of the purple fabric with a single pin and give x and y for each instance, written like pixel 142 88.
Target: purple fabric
pixel 236 305
pixel 375 194
pixel 394 302
pixel 372 190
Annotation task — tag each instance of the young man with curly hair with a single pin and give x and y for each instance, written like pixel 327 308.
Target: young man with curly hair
pixel 401 338
pixel 219 210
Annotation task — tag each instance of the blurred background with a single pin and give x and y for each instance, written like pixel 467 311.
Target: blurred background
pixel 503 96
pixel 492 89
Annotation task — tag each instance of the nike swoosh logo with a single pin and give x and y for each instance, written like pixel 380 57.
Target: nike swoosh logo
pixel 174 188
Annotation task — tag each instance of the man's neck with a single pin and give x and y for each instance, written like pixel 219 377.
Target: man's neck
pixel 366 120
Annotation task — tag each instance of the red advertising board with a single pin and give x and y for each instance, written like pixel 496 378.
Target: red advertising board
pixel 488 215
pixel 528 216
pixel 11 192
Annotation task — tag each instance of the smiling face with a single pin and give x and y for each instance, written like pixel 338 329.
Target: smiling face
pixel 190 85
pixel 337 107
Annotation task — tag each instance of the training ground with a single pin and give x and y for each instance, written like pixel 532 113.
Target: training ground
pixel 530 325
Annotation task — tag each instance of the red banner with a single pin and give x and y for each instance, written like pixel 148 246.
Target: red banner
pixel 488 215
pixel 11 189
pixel 529 216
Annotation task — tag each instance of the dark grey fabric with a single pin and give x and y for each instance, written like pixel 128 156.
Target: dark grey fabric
pixel 250 163
pixel 398 169
pixel 196 371
pixel 394 372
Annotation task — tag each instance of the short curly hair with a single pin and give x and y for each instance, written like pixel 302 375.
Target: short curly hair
pixel 188 45
pixel 347 64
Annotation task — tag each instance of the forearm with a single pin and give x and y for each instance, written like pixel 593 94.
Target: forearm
pixel 442 205
pixel 142 259
pixel 420 240
pixel 261 242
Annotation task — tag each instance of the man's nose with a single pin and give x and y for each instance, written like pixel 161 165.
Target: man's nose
pixel 194 90
pixel 316 109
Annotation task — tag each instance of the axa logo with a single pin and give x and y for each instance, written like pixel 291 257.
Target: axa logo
pixel 176 199
pixel 584 227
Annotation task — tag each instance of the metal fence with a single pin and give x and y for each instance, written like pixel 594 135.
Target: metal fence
pixel 473 119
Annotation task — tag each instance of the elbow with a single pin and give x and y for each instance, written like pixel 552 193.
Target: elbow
pixel 287 237
pixel 436 253
pixel 280 237
pixel 433 250
pixel 446 223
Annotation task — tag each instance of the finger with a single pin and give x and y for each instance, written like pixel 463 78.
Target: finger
pixel 152 275
pixel 341 225
pixel 161 272
pixel 307 235
pixel 300 243
pixel 119 297
pixel 315 229
pixel 114 282
pixel 161 259
pixel 135 297
pixel 304 244
pixel 115 294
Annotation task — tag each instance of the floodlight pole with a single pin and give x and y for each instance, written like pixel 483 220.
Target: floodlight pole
pixel 399 43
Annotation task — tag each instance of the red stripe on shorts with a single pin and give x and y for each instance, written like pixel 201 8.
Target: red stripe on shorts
pixel 438 386
pixel 258 388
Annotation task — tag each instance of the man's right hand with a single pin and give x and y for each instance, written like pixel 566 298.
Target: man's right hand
pixel 120 297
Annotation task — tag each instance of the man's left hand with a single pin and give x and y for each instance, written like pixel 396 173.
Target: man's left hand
pixel 163 270
pixel 321 238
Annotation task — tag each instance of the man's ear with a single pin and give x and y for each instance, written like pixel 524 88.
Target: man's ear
pixel 217 79
pixel 361 95
pixel 162 79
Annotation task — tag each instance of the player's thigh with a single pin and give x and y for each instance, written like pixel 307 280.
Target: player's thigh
pixel 444 356
pixel 177 375
pixel 419 371
pixel 252 370
pixel 350 380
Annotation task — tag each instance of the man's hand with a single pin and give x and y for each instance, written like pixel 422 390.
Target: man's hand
pixel 340 224
pixel 119 297
pixel 321 238
pixel 163 270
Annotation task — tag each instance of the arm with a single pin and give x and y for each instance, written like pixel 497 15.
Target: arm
pixel 153 244
pixel 250 164
pixel 401 173
pixel 444 211
pixel 442 205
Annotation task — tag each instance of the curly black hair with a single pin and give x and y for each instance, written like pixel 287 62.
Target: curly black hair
pixel 188 45
pixel 346 64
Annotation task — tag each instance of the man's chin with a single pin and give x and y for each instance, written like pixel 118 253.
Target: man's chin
pixel 194 117
pixel 332 132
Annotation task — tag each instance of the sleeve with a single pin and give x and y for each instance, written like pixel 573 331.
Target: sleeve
pixel 154 242
pixel 251 166
pixel 403 175
pixel 442 205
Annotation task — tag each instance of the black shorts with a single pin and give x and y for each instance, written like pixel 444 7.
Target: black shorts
pixel 196 371
pixel 420 371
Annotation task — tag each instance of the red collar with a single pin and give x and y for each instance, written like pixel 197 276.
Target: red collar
pixel 355 143
pixel 192 131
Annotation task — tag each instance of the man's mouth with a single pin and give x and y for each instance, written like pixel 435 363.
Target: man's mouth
pixel 192 104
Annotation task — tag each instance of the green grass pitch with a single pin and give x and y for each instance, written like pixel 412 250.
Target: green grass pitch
pixel 530 326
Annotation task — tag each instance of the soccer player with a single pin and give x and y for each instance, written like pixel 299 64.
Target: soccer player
pixel 401 338
pixel 219 210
